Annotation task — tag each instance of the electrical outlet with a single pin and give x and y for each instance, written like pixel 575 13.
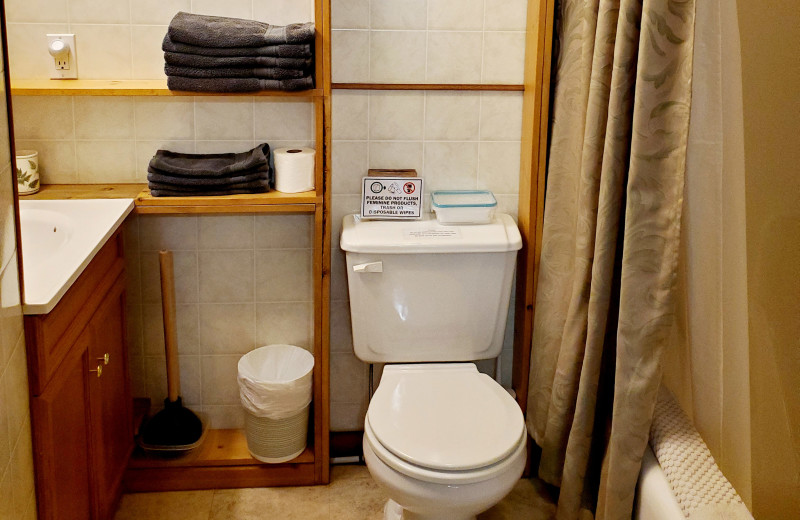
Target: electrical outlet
pixel 64 56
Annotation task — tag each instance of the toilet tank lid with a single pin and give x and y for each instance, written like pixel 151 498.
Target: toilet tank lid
pixel 428 236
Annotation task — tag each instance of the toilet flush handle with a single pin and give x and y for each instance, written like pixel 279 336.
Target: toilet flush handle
pixel 369 267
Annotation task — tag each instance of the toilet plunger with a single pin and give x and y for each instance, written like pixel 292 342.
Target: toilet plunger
pixel 174 427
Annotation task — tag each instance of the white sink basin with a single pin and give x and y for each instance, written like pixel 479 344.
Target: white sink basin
pixel 59 239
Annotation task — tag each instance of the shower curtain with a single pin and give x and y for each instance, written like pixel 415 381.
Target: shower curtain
pixel 605 302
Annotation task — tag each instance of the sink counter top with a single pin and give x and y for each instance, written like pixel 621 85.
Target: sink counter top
pixel 59 239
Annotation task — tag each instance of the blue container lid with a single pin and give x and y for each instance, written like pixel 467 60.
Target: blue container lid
pixel 463 199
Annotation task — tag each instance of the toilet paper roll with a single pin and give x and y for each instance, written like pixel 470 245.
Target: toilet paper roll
pixel 294 169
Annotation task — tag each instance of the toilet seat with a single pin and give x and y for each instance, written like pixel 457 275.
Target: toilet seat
pixel 443 422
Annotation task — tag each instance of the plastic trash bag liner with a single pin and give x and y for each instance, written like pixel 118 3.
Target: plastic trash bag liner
pixel 275 381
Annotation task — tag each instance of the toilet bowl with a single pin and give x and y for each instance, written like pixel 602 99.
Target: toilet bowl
pixel 449 457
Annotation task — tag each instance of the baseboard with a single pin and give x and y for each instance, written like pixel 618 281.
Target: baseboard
pixel 346 444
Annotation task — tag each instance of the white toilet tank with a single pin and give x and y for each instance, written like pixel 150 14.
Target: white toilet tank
pixel 421 291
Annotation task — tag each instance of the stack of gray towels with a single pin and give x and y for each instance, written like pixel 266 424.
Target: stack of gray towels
pixel 219 54
pixel 172 174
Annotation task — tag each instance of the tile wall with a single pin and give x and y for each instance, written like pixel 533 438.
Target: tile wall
pixel 17 497
pixel 428 41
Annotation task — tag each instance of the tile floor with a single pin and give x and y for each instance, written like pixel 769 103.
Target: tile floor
pixel 351 495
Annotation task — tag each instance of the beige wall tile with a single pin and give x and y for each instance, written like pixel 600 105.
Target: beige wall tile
pixel 100 11
pixel 397 57
pixel 506 15
pixel 157 12
pixel 285 323
pixel 339 291
pixel 227 328
pixel 348 378
pixel 350 14
pixel 341 330
pixel 346 417
pixel 219 380
pixel 223 146
pixel 21 469
pixel 186 276
pixel 104 51
pixel 350 56
pixel 396 154
pixel 283 12
pixel 57 162
pixel 103 117
pixel 225 231
pixel 350 114
pixel 350 165
pixel 36 11
pixel 106 161
pixel 27 49
pixel 169 119
pixel 5 439
pixel 279 231
pixel 283 275
pixel 451 166
pixel 224 118
pixel 147 57
pixel 16 391
pixel 230 8
pixel 167 232
pixel 226 276
pixel 390 14
pixel 451 116
pixel 455 15
pixel 396 115
pixel 44 117
pixel 221 416
pixel 501 116
pixel 503 57
pixel 498 167
pixel 454 57
pixel 277 120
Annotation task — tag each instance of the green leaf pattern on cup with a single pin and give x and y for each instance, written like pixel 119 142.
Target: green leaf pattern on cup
pixel 28 181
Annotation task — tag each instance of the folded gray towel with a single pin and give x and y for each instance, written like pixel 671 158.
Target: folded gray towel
pixel 233 72
pixel 219 31
pixel 210 165
pixel 195 60
pixel 155 176
pixel 173 193
pixel 296 50
pixel 237 84
pixel 260 185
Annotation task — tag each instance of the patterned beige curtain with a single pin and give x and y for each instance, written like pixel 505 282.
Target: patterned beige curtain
pixel 604 303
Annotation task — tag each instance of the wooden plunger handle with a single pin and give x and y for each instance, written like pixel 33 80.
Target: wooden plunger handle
pixel 170 329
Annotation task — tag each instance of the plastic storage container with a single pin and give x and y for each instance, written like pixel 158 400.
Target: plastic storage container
pixel 463 207
pixel 275 387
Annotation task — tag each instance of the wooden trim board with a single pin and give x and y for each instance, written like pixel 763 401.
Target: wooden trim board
pixel 535 118
pixel 425 86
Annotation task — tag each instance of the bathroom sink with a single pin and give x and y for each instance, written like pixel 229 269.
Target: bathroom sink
pixel 59 239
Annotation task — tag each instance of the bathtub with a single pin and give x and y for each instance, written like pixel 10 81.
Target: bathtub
pixel 654 497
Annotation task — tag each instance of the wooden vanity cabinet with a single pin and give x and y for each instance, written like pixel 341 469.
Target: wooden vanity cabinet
pixel 81 407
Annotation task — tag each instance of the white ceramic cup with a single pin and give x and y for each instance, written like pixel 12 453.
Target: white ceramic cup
pixel 27 171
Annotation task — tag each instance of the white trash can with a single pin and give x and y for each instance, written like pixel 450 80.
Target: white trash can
pixel 275 387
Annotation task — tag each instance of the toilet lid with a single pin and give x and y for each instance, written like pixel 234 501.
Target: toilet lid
pixel 445 416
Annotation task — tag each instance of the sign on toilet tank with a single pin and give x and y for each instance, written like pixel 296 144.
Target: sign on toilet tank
pixel 391 197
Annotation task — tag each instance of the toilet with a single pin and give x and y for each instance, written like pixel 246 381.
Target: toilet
pixel 443 440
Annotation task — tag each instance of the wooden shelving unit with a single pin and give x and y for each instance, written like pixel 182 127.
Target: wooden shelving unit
pixel 127 87
pixel 223 461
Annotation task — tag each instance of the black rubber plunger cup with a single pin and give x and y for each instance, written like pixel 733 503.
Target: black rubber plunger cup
pixel 174 427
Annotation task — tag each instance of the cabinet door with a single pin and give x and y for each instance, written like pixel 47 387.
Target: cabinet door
pixel 110 401
pixel 60 439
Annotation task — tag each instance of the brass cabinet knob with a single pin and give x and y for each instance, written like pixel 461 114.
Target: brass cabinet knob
pixel 99 370
pixel 105 359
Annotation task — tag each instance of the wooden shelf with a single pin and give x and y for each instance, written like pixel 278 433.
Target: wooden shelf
pixel 271 202
pixel 128 87
pixel 220 448
pixel 222 461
